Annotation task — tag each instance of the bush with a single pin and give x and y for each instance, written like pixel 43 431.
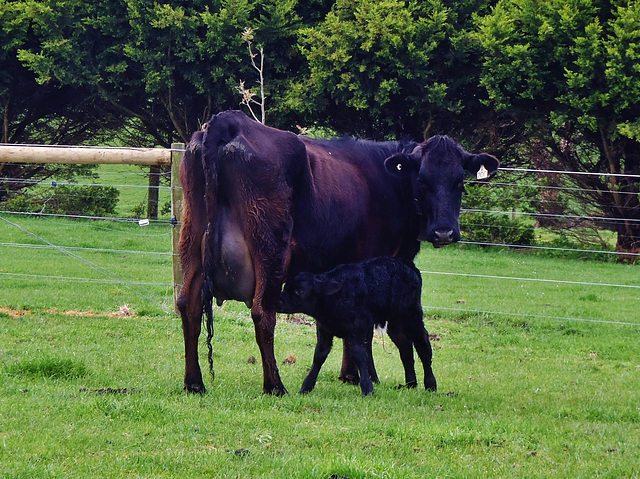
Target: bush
pixel 90 200
pixel 22 204
pixel 496 228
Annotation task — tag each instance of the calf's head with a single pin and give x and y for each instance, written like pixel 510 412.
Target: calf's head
pixel 436 169
pixel 302 293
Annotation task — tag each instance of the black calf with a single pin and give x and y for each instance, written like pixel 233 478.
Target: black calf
pixel 350 300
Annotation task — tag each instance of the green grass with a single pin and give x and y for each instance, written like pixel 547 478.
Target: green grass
pixel 536 378
pixel 540 401
pixel 120 265
pixel 519 396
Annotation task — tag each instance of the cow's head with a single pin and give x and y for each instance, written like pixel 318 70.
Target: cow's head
pixel 436 170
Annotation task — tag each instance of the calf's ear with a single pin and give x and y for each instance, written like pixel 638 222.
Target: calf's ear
pixel 327 287
pixel 481 166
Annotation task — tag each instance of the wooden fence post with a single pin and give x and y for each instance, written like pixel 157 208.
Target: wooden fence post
pixel 177 153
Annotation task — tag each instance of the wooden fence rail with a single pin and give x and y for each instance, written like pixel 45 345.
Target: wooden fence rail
pixel 126 156
pixel 84 155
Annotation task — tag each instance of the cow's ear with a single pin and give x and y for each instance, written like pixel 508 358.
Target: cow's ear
pixel 399 164
pixel 481 166
pixel 327 287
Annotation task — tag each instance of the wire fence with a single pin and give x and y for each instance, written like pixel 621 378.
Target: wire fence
pixel 108 257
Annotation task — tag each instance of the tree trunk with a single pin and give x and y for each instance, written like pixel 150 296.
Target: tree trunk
pixel 626 194
pixel 154 183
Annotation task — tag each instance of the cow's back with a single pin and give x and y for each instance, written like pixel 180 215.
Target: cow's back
pixel 353 209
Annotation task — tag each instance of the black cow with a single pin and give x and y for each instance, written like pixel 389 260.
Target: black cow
pixel 350 300
pixel 276 204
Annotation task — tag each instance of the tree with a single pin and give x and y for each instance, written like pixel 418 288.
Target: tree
pixel 566 71
pixel 42 109
pixel 390 68
pixel 132 72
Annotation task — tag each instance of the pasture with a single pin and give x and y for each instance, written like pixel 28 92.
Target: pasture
pixel 536 360
pixel 86 390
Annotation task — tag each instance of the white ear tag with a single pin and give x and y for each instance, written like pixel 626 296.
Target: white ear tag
pixel 483 173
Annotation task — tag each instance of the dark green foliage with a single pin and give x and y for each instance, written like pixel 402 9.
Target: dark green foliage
pixel 548 84
pixel 22 204
pixel 496 228
pixel 88 200
pixel 565 71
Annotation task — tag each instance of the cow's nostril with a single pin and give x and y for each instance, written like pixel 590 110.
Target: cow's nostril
pixel 444 236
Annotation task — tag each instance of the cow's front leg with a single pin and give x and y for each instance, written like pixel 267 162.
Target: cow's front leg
pixel 265 324
pixel 190 306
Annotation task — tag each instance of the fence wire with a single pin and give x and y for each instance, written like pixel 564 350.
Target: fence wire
pixel 141 288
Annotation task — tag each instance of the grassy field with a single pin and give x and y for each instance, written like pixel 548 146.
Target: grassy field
pixel 536 360
pixel 85 391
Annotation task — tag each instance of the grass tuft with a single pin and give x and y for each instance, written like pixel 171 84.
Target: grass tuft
pixel 51 368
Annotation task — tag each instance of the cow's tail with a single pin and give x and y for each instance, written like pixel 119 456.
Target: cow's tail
pixel 207 299
pixel 209 156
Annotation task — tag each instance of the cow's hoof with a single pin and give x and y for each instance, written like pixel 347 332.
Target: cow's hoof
pixel 275 390
pixel 350 379
pixel 195 388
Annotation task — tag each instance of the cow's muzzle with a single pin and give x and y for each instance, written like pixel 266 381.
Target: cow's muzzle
pixel 443 237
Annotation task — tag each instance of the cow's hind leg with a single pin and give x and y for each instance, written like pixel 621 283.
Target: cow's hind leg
pixel 323 348
pixel 265 325
pixel 349 372
pixel 190 306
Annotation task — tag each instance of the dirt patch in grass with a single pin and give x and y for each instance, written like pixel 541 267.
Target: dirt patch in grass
pixel 297 319
pixel 15 313
pixel 123 312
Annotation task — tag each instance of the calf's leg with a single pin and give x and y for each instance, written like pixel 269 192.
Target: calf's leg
pixel 323 348
pixel 373 374
pixel 359 351
pixel 405 348
pixel 423 348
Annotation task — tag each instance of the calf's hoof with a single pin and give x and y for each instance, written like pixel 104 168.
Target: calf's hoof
pixel 430 384
pixel 409 385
